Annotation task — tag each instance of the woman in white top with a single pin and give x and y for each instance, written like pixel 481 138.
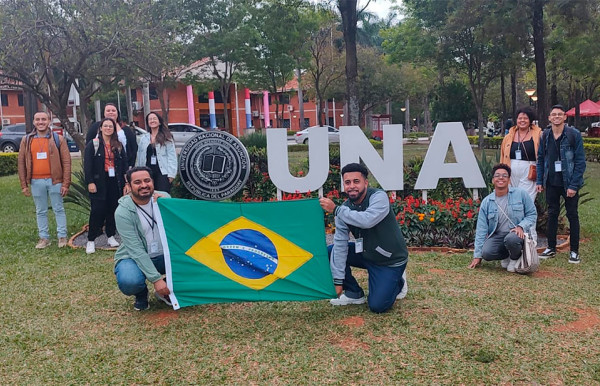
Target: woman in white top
pixel 156 150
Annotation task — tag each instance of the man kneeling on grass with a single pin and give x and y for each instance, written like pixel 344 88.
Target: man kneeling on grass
pixel 379 247
pixel 140 255
pixel 504 217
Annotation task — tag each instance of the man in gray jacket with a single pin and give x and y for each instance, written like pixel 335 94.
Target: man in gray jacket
pixel 379 246
pixel 140 255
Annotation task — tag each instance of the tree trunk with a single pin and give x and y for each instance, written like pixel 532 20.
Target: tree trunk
pixel 513 94
pixel 503 98
pixel 225 94
pixel 349 23
pixel 540 61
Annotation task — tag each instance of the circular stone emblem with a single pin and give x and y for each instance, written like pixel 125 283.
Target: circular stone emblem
pixel 249 253
pixel 214 165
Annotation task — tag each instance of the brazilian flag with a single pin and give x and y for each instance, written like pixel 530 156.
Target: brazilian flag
pixel 231 252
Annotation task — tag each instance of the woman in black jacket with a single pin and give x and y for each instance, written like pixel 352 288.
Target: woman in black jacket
pixel 105 165
pixel 125 134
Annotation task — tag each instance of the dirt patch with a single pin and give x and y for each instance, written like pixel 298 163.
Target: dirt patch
pixel 588 319
pixel 547 274
pixel 162 318
pixel 353 321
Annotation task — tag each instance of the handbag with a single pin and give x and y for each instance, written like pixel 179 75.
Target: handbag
pixel 532 175
pixel 529 262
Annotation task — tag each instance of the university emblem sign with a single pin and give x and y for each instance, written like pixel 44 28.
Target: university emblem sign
pixel 214 165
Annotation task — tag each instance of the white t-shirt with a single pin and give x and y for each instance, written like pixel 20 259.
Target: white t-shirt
pixel 148 215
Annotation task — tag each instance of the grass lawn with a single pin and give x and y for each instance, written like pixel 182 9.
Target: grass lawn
pixel 65 322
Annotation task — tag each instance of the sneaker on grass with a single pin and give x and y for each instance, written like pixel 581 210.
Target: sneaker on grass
pixel 404 291
pixel 548 252
pixel 141 303
pixel 42 243
pixel 164 299
pixel 504 262
pixel 344 300
pixel 512 264
pixel 574 258
pixel 62 242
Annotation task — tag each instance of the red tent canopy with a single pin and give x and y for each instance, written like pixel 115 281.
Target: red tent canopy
pixel 587 108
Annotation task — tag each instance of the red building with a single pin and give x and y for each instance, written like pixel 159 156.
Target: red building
pixel 11 110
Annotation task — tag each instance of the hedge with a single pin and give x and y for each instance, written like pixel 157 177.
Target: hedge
pixel 303 147
pixel 488 142
pixel 592 152
pixel 593 140
pixel 8 163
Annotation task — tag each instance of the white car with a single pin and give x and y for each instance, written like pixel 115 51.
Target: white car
pixel 302 135
pixel 184 131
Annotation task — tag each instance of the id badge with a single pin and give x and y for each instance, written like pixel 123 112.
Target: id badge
pixel 154 247
pixel 358 245
pixel 518 154
pixel 558 166
pixel 42 155
pixel 153 160
pixel 111 172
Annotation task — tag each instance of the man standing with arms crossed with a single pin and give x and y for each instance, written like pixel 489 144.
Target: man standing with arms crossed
pixel 379 246
pixel 560 168
pixel 45 166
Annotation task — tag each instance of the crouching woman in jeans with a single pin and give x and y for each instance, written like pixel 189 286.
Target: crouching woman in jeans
pixel 105 164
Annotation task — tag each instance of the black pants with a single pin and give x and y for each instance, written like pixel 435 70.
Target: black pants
pixel 103 211
pixel 161 181
pixel 553 194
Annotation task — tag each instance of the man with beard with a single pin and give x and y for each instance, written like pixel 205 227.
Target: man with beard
pixel 379 246
pixel 140 255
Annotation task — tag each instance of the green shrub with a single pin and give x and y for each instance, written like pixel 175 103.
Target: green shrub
pixel 256 139
pixel 592 151
pixel 416 134
pixel 488 143
pixel 8 163
pixel 591 140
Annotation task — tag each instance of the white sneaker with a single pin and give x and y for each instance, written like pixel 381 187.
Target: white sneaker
pixel 404 291
pixel 112 242
pixel 90 247
pixel 164 299
pixel 504 263
pixel 344 300
pixel 511 265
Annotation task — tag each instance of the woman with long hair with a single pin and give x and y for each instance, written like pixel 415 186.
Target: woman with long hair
pixel 105 165
pixel 125 134
pixel 156 150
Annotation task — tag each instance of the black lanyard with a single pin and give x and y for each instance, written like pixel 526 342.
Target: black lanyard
pixel 147 216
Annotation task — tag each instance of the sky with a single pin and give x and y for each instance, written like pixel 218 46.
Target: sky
pixel 379 7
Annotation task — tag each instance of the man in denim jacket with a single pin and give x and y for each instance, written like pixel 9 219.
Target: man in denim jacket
pixel 560 168
pixel 504 217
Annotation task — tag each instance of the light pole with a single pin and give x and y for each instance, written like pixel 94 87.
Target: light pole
pixel 530 92
pixel 403 109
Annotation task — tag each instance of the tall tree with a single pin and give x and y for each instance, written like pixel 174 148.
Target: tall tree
pixel 349 14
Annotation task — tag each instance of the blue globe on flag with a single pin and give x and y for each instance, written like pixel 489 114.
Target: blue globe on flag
pixel 249 253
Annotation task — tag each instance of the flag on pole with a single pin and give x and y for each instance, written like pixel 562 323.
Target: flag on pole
pixel 230 252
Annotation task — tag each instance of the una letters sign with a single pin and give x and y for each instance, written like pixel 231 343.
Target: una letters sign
pixel 387 169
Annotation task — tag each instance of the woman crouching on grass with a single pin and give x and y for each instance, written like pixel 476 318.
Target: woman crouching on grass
pixel 105 165
pixel 156 150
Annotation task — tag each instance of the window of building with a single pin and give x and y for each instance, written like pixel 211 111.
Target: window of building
pixel 286 123
pixel 4 100
pixel 330 121
pixel 203 98
pixel 20 99
pixel 284 99
pixel 153 93
pixel 133 95
pixel 306 122
pixel 304 97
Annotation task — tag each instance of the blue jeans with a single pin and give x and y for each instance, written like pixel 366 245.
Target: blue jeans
pixel 41 188
pixel 385 283
pixel 131 280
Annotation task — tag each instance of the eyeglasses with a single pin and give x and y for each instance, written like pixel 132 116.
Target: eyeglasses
pixel 557 114
pixel 500 175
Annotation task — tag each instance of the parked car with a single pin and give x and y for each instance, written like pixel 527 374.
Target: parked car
pixel 10 138
pixel 183 131
pixel 302 135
